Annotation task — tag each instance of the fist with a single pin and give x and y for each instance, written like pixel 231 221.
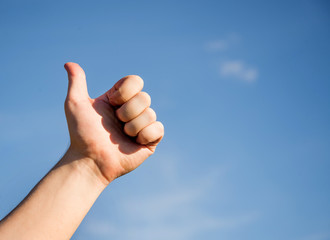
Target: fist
pixel 133 109
pixel 117 130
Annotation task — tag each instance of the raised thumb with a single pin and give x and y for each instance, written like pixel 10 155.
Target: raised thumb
pixel 77 88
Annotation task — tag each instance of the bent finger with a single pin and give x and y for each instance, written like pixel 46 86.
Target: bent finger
pixel 133 127
pixel 125 89
pixel 151 135
pixel 134 107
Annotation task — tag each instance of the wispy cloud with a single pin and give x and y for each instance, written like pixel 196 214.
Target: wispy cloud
pixel 177 212
pixel 239 70
pixel 318 236
pixel 101 227
pixel 217 45
pixel 222 44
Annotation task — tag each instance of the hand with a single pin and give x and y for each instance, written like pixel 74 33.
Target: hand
pixel 117 131
pixel 110 136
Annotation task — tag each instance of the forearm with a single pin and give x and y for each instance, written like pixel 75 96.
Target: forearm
pixel 57 205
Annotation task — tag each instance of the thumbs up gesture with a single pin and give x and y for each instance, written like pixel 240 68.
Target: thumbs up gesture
pixel 116 131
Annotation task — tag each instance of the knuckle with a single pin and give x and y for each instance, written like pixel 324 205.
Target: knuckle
pixel 136 79
pixel 71 102
pixel 160 125
pixel 161 128
pixel 134 82
pixel 152 133
pixel 151 114
pixel 145 98
pixel 130 86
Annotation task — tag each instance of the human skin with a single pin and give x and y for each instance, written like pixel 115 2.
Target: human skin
pixel 110 136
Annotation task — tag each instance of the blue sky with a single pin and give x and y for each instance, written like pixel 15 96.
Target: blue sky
pixel 242 88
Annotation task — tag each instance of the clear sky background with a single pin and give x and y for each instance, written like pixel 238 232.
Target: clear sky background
pixel 242 88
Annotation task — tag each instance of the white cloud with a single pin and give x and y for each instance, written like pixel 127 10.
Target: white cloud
pixel 232 69
pixel 238 70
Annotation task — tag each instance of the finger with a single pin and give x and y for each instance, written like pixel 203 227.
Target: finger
pixel 151 134
pixel 77 88
pixel 132 128
pixel 134 107
pixel 125 89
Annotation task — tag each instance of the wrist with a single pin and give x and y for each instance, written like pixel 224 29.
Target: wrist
pixel 84 165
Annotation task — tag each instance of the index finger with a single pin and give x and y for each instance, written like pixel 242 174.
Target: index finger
pixel 125 89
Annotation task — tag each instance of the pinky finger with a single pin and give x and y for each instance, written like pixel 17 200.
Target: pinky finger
pixel 151 135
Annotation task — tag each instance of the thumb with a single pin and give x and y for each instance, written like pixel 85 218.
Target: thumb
pixel 77 81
